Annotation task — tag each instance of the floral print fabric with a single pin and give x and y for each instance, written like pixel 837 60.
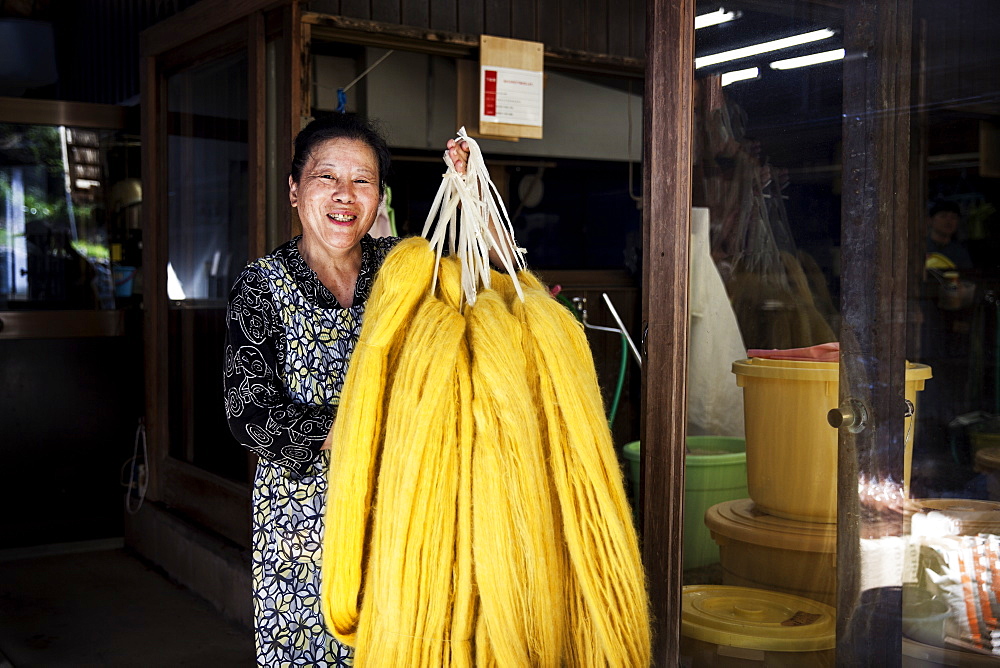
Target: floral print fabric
pixel 288 345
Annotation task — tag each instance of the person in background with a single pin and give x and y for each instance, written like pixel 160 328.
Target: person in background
pixel 944 345
pixel 293 319
pixel 942 226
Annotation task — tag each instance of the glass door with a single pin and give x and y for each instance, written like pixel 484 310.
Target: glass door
pixel 213 104
pixel 70 329
pixel 760 518
pixel 207 165
pixel 844 241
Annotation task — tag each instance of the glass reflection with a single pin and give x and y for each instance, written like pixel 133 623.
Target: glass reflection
pixel 54 234
pixel 768 162
pixel 208 181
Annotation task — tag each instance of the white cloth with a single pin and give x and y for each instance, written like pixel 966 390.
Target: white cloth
pixel 715 402
pixel 383 224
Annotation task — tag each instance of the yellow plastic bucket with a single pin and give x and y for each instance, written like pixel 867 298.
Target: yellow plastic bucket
pixel 726 627
pixel 791 448
pixel 774 553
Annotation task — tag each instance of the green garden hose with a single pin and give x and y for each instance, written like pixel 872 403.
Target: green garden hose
pixel 621 382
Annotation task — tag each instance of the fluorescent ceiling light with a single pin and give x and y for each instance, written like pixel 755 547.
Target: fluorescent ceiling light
pixel 763 47
pixel 713 18
pixel 739 75
pixel 806 61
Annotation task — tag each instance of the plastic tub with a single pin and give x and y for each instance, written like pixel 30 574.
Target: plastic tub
pixel 774 553
pixel 924 616
pixel 714 471
pixel 921 655
pixel 726 627
pixel 984 434
pixel 123 277
pixel 791 448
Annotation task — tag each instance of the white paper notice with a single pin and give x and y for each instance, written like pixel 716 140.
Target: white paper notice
pixel 510 95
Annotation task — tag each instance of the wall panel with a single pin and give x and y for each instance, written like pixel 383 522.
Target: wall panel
pixel 470 18
pixel 522 20
pixel 386 11
pixel 359 9
pixel 572 25
pixel 496 18
pixel 597 26
pixel 444 15
pixel 97 42
pixel 416 13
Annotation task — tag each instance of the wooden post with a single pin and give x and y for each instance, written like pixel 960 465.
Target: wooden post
pixel 289 64
pixel 666 189
pixel 154 271
pixel 257 134
pixel 875 226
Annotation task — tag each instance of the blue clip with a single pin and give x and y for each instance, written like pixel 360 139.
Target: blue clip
pixel 341 101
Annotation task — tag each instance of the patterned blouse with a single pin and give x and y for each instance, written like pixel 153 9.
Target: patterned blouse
pixel 286 330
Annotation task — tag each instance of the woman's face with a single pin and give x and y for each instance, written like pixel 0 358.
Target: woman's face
pixel 337 194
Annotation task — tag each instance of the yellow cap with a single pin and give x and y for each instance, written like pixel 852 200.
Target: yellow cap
pixel 938 261
pixel 756 619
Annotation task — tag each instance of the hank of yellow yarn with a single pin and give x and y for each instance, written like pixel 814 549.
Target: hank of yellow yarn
pixel 609 607
pixel 358 428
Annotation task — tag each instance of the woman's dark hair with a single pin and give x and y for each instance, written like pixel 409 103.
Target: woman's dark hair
pixel 340 126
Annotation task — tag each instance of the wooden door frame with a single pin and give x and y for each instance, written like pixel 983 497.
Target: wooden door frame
pixel 200 32
pixel 667 161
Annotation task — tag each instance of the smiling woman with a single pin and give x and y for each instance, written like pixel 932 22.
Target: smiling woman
pixel 292 323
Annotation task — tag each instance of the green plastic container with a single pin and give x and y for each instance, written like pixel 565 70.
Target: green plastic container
pixel 715 471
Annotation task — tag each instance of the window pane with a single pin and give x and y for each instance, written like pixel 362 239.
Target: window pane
pixel 207 154
pixel 54 218
pixel 207 213
pixel 761 483
pixel 774 135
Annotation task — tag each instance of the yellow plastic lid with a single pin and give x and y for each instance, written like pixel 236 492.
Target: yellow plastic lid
pixel 759 367
pixel 756 619
pixel 740 520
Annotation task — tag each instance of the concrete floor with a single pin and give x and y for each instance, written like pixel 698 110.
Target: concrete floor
pixel 97 604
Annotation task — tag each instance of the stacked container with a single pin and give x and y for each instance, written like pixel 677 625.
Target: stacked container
pixel 715 471
pixel 783 538
pixel 736 627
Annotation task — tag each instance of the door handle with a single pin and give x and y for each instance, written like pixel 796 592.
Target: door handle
pixel 852 415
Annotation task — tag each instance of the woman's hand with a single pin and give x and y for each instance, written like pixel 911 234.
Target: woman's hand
pixel 328 442
pixel 458 151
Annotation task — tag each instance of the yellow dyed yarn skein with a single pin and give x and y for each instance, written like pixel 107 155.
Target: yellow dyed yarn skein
pixel 402 282
pixel 477 515
pixel 517 542
pixel 406 613
pixel 600 538
pixel 465 604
